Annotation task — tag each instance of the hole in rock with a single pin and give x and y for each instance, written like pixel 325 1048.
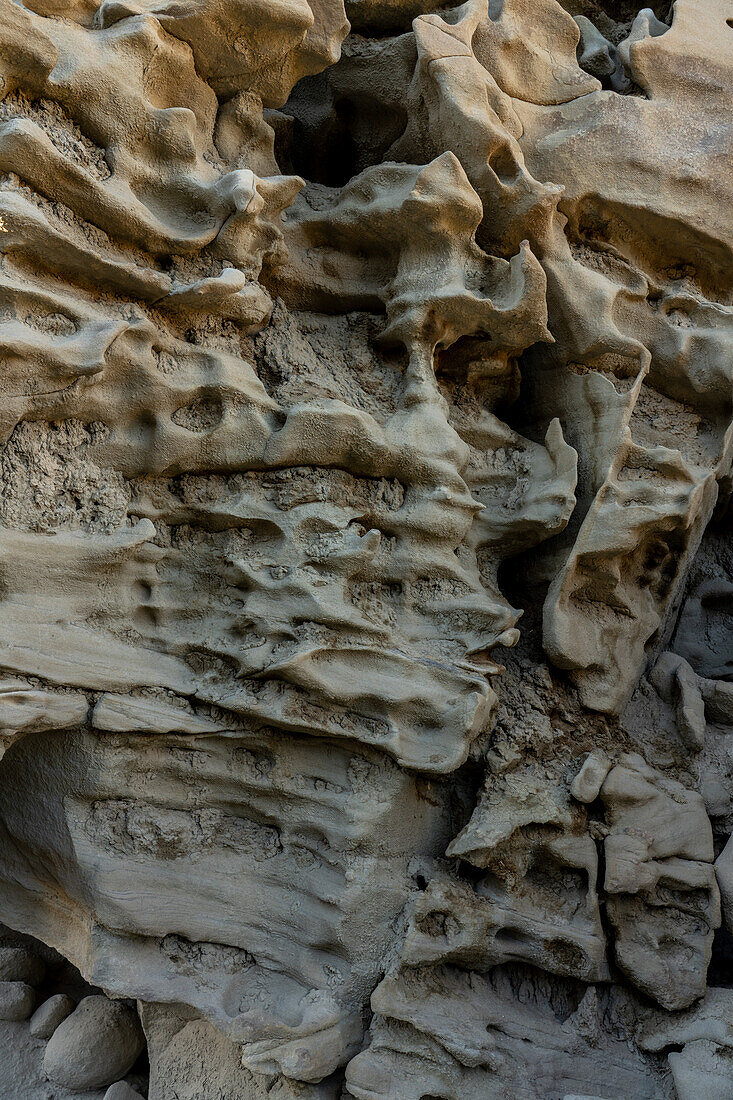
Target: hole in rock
pixel 335 134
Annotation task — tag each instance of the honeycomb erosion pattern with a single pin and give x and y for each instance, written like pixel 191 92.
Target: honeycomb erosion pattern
pixel 333 340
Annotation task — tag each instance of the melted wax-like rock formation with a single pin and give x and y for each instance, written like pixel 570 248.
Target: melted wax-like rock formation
pixel 334 339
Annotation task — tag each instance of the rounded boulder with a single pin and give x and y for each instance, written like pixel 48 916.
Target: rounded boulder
pixel 95 1046
pixel 49 1015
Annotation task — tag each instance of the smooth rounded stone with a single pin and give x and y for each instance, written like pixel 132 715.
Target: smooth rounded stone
pixel 589 780
pixel 122 1091
pixel 50 1014
pixel 95 1046
pixel 16 1000
pixel 17 964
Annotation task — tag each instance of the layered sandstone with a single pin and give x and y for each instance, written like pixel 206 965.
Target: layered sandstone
pixel 334 340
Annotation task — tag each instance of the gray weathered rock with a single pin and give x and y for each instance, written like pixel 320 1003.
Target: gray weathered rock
pixel 366 582
pixel 50 1014
pixel 17 964
pixel 94 1046
pixel 16 1000
pixel 121 1091
pixel 699 1044
pixel 724 874
pixel 663 900
pixel 588 782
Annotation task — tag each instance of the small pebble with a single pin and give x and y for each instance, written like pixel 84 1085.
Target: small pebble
pixel 50 1014
pixel 121 1091
pixel 589 780
pixel 16 1000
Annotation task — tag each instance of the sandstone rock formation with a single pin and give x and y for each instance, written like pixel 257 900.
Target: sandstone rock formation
pixel 334 340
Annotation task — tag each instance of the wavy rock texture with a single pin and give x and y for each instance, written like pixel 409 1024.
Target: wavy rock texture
pixel 334 340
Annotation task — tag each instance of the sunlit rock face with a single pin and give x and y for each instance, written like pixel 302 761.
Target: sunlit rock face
pixel 335 340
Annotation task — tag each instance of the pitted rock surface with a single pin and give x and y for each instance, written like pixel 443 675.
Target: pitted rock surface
pixel 366 571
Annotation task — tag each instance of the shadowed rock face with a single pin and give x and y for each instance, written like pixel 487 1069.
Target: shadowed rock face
pixel 330 349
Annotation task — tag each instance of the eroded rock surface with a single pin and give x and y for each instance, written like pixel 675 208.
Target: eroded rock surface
pixel 366 582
